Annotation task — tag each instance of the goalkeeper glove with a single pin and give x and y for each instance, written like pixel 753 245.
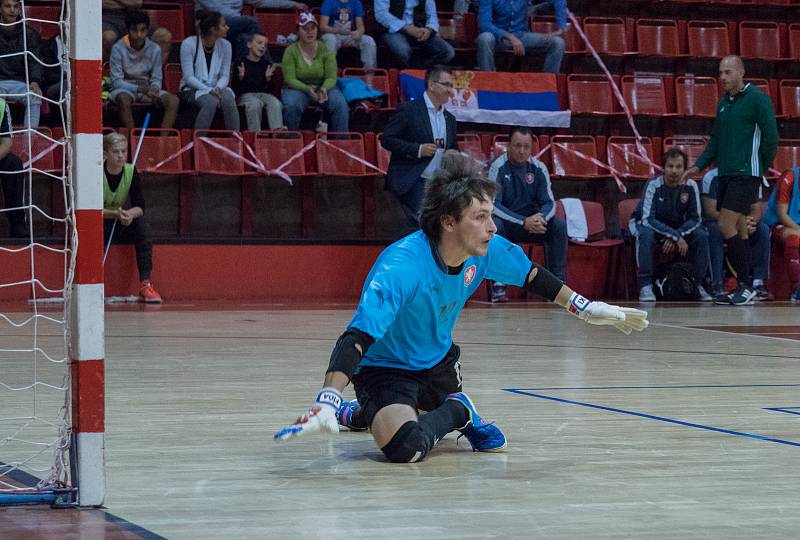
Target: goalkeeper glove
pixel 624 319
pixel 321 417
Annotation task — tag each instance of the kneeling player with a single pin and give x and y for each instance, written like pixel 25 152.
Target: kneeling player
pixel 398 348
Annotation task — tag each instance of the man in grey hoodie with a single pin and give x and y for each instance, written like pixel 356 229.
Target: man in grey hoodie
pixel 136 73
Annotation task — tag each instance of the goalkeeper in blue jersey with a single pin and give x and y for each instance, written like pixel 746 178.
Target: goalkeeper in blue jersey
pixel 398 349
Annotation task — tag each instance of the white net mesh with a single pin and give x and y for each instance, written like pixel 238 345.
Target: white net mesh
pixel 36 266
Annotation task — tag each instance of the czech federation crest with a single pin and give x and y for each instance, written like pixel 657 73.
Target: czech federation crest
pixel 469 275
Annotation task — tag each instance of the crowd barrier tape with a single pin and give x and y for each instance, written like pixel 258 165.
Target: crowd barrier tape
pixel 612 171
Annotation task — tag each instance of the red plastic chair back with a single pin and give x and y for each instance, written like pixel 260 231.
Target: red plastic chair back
pixel 566 163
pixel 590 94
pixel 595 216
pixel 158 145
pixel 788 154
pixel 645 95
pixel 625 210
pixel 692 145
pixel 378 79
pixel 331 162
pixel 274 148
pixel 208 159
pixel 759 39
pixel 606 34
pixel 624 157
pixel 547 24
pixel 790 98
pixel 50 12
pixel 794 41
pixel 277 23
pixel 42 150
pixel 696 96
pixel 172 78
pixel 470 143
pixel 708 39
pixel 384 156
pixel 166 15
pixel 657 37
pixel 464 29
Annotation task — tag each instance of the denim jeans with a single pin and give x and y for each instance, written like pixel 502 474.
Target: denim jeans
pixel 551 46
pixel 435 49
pixel 295 102
pixel 365 44
pixel 554 240
pixel 759 244
pixel 33 102
pixel 647 241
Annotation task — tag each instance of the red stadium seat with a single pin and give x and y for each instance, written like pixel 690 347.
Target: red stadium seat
pixel 625 158
pixel 547 24
pixel 331 162
pixel 157 146
pixel 645 95
pixel 759 39
pixel 794 41
pixel 591 94
pixel 166 15
pixel 708 39
pixel 42 149
pixel 274 148
pixel 625 210
pixel 696 96
pixel 657 37
pixel 377 79
pixel 692 145
pixel 790 98
pixel 567 164
pixel 383 154
pixel 172 78
pixel 276 23
pixel 209 159
pixel 44 11
pixel 595 220
pixel 606 34
pixel 470 143
pixel 462 27
pixel 788 155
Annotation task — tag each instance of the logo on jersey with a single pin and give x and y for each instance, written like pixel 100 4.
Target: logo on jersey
pixel 529 178
pixel 684 198
pixel 469 275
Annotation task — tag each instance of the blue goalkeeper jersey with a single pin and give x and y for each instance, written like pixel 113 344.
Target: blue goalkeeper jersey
pixel 411 299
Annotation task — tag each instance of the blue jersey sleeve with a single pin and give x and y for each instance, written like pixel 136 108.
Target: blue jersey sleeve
pixel 506 262
pixel 390 285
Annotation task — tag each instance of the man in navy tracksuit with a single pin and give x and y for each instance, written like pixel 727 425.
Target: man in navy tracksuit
pixel 669 215
pixel 525 209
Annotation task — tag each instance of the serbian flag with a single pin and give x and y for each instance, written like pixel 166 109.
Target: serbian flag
pixel 487 97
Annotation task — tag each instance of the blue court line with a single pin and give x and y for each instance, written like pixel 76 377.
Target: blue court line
pixel 653 417
pixel 658 387
pixel 787 410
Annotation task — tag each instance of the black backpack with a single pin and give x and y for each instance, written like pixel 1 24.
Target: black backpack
pixel 676 281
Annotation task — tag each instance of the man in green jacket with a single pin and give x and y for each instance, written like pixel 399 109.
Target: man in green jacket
pixel 743 144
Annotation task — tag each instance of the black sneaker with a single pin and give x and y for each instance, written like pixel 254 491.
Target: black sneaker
pixel 762 294
pixel 743 295
pixel 497 295
pixel 723 298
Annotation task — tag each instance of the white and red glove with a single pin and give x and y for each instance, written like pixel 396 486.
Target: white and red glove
pixel 320 418
pixel 624 319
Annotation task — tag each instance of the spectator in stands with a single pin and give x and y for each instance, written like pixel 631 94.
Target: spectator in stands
pixel 254 73
pixel 505 22
pixel 241 27
pixel 114 27
pixel 342 24
pixel 206 66
pixel 309 73
pixel 121 185
pixel 668 216
pixel 136 73
pixel 417 135
pixel 524 207
pixel 758 233
pixel 783 211
pixel 412 25
pixel 14 79
pixel 11 176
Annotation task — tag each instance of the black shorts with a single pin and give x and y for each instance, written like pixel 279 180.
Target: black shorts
pixel 737 193
pixel 377 387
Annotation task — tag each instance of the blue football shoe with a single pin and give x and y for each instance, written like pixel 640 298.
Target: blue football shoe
pixel 482 436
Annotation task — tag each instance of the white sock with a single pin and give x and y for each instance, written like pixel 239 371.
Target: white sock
pixel 758 283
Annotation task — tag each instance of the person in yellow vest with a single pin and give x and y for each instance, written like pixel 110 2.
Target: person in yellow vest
pixel 11 176
pixel 121 184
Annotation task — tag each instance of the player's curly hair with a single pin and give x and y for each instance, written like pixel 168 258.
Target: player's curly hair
pixel 458 180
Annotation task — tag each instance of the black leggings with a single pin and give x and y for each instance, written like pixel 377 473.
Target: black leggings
pixel 138 234
pixel 13 186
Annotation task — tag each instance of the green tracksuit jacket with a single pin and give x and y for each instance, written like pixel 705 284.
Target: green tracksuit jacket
pixel 745 135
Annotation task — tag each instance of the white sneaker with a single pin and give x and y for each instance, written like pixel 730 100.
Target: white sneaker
pixel 646 294
pixel 704 296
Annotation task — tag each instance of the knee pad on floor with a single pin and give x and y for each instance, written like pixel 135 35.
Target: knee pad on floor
pixel 408 445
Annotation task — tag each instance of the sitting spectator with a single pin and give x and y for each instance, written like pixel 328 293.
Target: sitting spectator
pixel 241 27
pixel 121 184
pixel 783 212
pixel 412 24
pixel 251 83
pixel 11 176
pixel 668 215
pixel 309 72
pixel 524 208
pixel 136 73
pixel 758 233
pixel 342 24
pixel 114 27
pixel 506 22
pixel 206 73
pixel 13 75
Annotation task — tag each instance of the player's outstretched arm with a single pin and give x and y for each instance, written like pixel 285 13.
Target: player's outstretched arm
pixel 626 320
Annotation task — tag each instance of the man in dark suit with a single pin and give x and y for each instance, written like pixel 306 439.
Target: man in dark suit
pixel 417 135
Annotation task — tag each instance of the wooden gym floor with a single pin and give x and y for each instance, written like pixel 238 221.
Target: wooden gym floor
pixel 690 429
